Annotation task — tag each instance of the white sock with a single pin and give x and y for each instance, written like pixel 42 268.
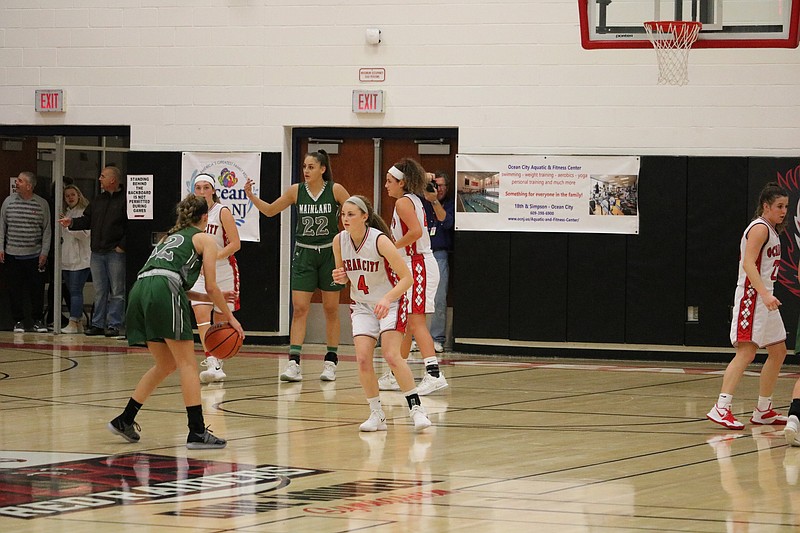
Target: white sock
pixel 764 403
pixel 724 400
pixel 432 360
pixel 374 403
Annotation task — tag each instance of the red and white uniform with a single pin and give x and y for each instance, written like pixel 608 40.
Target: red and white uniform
pixel 752 321
pixel 420 260
pixel 227 269
pixel 371 278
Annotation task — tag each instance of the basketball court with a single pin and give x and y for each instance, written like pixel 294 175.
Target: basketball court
pixel 518 444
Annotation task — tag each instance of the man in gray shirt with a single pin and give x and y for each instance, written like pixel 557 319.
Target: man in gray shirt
pixel 25 236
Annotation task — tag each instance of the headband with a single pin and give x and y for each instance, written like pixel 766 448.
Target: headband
pixel 358 202
pixel 397 173
pixel 204 177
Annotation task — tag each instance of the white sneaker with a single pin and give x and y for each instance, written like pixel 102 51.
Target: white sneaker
pixel 292 372
pixel 375 422
pixel 420 418
pixel 328 371
pixel 768 417
pixel 791 431
pixel 724 417
pixel 213 371
pixel 414 346
pixel 388 382
pixel 431 384
pixel 437 347
pixel 72 327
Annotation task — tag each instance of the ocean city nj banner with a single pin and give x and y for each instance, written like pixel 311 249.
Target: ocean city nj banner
pixel 230 172
pixel 578 194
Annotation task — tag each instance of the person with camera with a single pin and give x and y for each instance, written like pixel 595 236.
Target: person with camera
pixel 440 214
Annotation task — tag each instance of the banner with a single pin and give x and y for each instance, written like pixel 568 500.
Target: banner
pixel 576 194
pixel 231 171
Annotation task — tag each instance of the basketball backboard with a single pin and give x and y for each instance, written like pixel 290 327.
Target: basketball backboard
pixel 726 23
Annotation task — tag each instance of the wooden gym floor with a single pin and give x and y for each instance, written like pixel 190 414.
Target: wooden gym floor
pixel 517 445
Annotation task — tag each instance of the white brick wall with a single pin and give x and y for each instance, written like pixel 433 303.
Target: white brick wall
pixel 511 75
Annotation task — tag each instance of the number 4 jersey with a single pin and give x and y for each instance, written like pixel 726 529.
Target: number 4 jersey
pixel 369 272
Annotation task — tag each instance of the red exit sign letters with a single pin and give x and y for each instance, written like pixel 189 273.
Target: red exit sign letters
pixel 367 101
pixel 50 100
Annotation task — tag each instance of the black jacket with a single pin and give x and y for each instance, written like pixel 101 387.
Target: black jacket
pixel 107 217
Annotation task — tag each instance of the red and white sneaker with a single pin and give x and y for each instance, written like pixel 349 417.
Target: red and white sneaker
pixel 724 417
pixel 770 417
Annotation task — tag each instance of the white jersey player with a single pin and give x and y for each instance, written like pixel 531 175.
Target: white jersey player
pixel 406 180
pixel 756 320
pixel 367 258
pixel 222 228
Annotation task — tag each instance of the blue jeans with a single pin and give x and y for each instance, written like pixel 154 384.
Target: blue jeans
pixel 75 280
pixel 108 277
pixel 439 318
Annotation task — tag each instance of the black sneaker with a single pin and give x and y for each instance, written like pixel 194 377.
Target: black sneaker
pixel 38 327
pixel 126 431
pixel 204 441
pixel 112 332
pixel 94 331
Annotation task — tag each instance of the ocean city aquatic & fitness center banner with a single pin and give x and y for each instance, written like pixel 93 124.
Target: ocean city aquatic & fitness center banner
pixel 579 194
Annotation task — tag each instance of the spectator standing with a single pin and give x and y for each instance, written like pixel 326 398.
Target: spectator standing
pixel 25 237
pixel 442 236
pixel 106 216
pixel 75 257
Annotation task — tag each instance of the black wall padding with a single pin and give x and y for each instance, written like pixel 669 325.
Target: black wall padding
pixel 717 213
pixel 655 288
pixel 166 170
pixel 259 261
pixel 596 288
pixel 538 297
pixel 481 285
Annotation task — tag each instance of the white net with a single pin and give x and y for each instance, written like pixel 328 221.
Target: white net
pixel 672 41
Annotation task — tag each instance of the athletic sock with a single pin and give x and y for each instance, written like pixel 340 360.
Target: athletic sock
pixel 374 403
pixel 412 398
pixel 724 400
pixel 764 403
pixel 195 416
pixel 432 366
pixel 794 409
pixel 332 354
pixel 130 412
pixel 294 353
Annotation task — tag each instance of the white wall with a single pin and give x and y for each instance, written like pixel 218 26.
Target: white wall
pixel 511 75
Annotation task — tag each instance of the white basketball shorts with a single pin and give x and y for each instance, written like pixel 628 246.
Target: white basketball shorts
pixel 425 276
pixel 753 322
pixel 366 323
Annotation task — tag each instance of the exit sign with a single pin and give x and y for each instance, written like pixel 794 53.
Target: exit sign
pixel 367 101
pixel 50 100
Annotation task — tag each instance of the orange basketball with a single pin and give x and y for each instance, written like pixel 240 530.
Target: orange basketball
pixel 222 341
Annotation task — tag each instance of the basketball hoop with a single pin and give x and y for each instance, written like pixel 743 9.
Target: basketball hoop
pixel 672 40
